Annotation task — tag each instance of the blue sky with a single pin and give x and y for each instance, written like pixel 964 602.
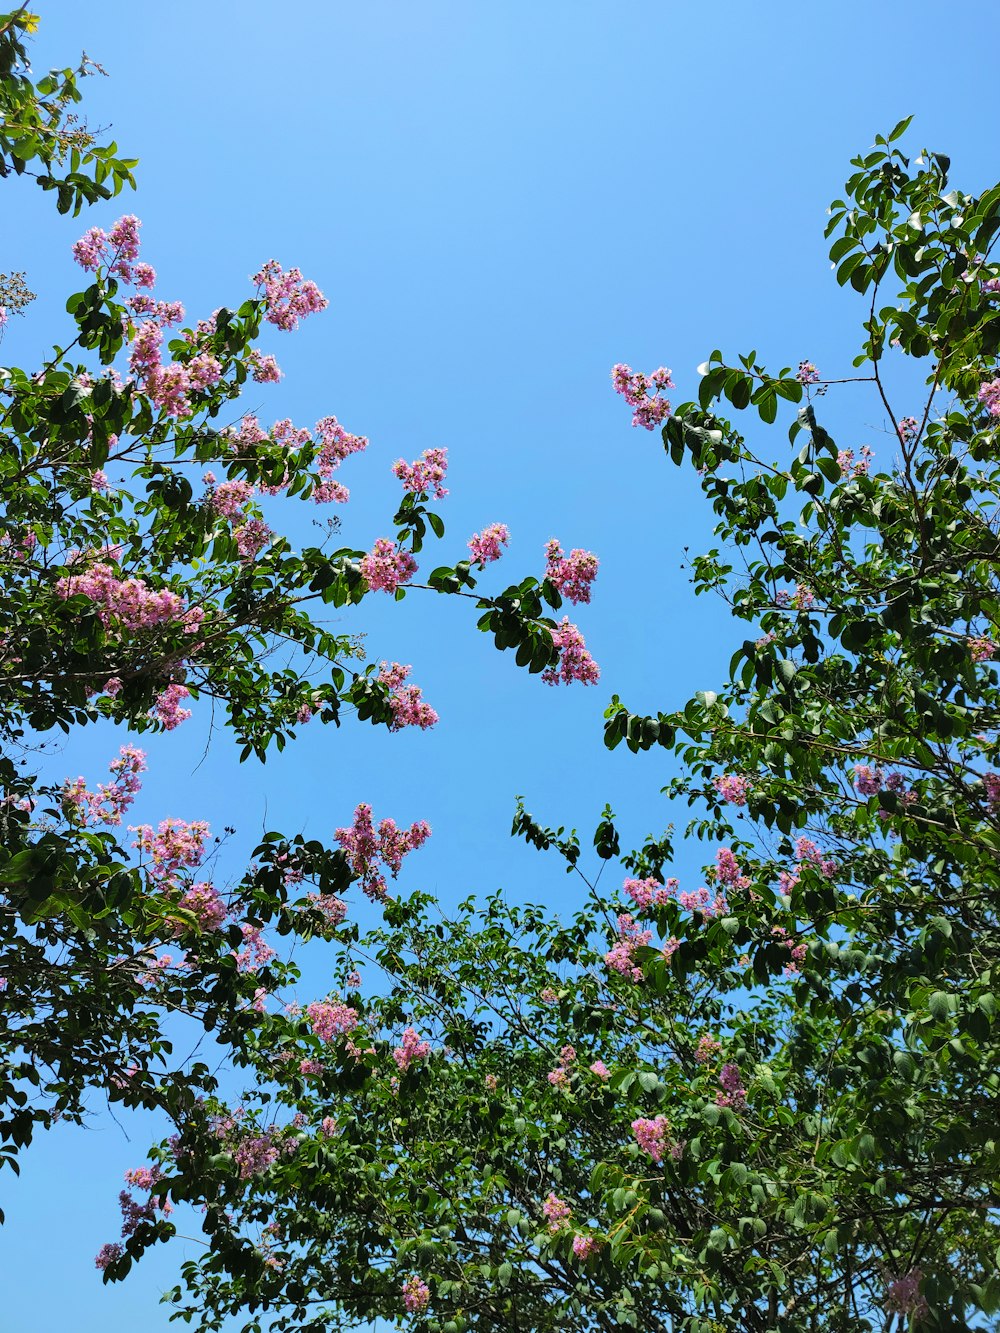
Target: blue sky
pixel 500 201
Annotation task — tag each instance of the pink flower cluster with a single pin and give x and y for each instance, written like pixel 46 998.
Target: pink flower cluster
pixel 176 845
pixel 707 1049
pixel 601 1070
pixel 798 951
pixel 807 373
pixel 733 1093
pixel 121 245
pixel 647 893
pixel 170 386
pixel 425 475
pixel 903 1295
pixel 107 1255
pixel 204 903
pixel 386 567
pixel 288 295
pixel 634 388
pixel 849 467
pixel 485 546
pixel 727 870
pixel 908 429
pixel 559 1076
pixel 256 951
pixel 408 707
pixel 331 907
pixel 112 799
pixel 733 788
pixel 331 1018
pixel 991 781
pixel 651 1136
pixel 556 1212
pixel 806 853
pixel 575 662
pixel 410 1049
pixel 989 396
pixel 366 849
pixel 585 1246
pixel 572 574
pixel 229 497
pixel 131 602
pixel 167 708
pixel 620 958
pixel 251 538
pixel 335 444
pixel 264 367
pixel 981 648
pixel 416 1295
pixel 256 1153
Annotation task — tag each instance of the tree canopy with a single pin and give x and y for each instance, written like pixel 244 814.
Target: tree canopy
pixel 765 1101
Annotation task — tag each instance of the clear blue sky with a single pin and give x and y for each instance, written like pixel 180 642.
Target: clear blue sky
pixel 500 201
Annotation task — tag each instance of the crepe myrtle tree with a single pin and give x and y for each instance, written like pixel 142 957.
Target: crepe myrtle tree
pixel 765 1101
pixel 145 575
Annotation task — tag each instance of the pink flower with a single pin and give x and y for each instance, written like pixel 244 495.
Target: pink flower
pixel 229 497
pixel 601 1070
pixel 111 1252
pixel 385 567
pixel 335 444
pixel 408 707
pixel 416 1295
pixel 288 296
pixel 908 429
pixel 328 1127
pixel 903 1295
pixel 556 1212
pixel 265 368
pixel 256 951
pixel 330 492
pixel 331 1018
pixel 251 538
pixel 333 908
pixel 733 1093
pixel 204 903
pixel 176 845
pixel 867 780
pixel 485 546
pixel 167 710
pixel 650 1135
pixel 112 687
pixel 585 1246
pixel 981 649
pixel 575 662
pixel 572 574
pixel 989 396
pixel 630 937
pixel 366 848
pixel 89 250
pixel 649 411
pixel 99 480
pixel 733 789
pixel 411 1049
pixel 707 1049
pixel 807 373
pixel 425 475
